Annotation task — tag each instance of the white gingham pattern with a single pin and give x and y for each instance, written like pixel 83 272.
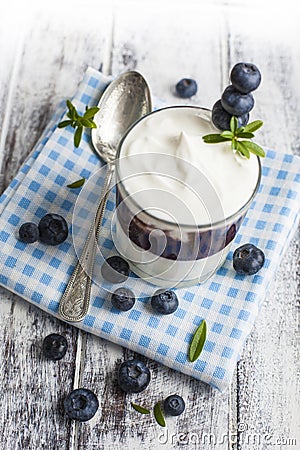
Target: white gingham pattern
pixel 228 302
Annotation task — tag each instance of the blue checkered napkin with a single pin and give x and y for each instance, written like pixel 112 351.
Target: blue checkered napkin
pixel 228 302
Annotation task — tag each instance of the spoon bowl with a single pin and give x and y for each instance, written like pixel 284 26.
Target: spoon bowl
pixel 123 102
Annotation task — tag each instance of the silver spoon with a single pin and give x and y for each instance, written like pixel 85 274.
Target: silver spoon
pixel 124 101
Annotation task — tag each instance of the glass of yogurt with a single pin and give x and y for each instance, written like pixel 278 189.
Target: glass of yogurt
pixel 179 201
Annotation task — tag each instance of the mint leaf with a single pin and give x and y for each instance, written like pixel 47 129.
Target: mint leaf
pixel 245 134
pixel 86 122
pixel 77 136
pixel 214 138
pixel 233 124
pixel 89 113
pixel 158 414
pixel 227 134
pixel 254 148
pixel 64 123
pixel 197 342
pixel 72 110
pixel 70 105
pixel 253 126
pixel 76 184
pixel 242 148
pixel 140 409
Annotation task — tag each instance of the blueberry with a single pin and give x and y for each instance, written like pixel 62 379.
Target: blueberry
pixel 174 405
pixel 221 118
pixel 133 376
pixel 115 269
pixel 164 302
pixel 236 103
pixel 29 232
pixel 123 299
pixel 55 346
pixel 81 404
pixel 53 229
pixel 245 77
pixel 248 259
pixel 186 88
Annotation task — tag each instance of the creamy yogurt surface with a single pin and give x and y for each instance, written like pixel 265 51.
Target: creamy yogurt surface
pixel 173 175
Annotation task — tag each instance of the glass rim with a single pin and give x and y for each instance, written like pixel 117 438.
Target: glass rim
pixel 199 227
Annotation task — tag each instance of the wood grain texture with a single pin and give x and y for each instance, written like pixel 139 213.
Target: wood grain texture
pixel 53 57
pixel 268 372
pixel 48 60
pixel 32 387
pixel 44 63
pixel 166 49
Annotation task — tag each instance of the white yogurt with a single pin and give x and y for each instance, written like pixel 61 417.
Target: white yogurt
pixel 177 132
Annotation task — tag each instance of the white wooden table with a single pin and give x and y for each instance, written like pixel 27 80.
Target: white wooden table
pixel 44 51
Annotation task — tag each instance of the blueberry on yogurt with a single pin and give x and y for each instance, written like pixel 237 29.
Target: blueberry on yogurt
pixel 221 118
pixel 245 77
pixel 164 301
pixel 236 103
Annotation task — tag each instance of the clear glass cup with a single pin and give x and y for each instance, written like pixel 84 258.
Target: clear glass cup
pixel 161 248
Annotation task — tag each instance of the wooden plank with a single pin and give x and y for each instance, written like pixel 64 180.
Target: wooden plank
pixel 51 58
pixel 31 412
pixel 166 49
pixel 268 372
pixel 10 50
pixel 164 55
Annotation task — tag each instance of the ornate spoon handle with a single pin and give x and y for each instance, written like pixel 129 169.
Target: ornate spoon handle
pixel 75 301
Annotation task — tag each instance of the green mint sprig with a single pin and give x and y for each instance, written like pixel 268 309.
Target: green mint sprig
pixel 79 122
pixel 238 137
